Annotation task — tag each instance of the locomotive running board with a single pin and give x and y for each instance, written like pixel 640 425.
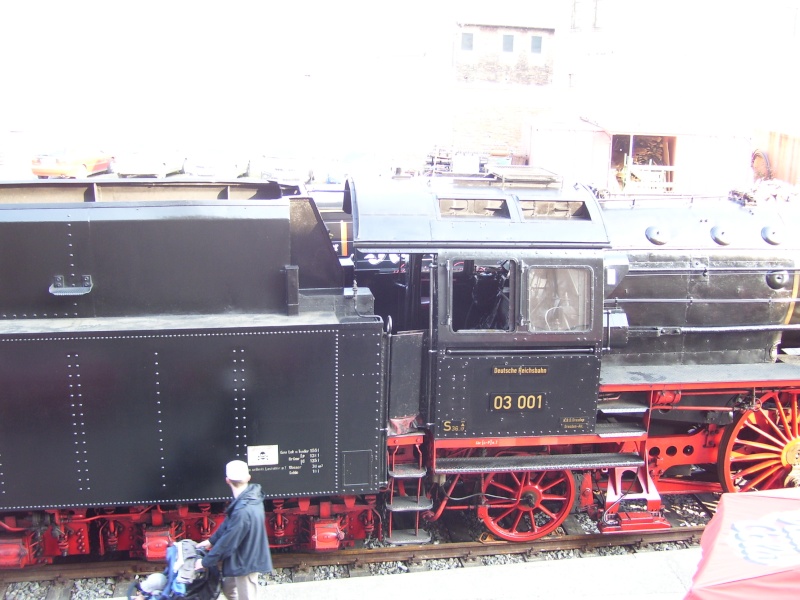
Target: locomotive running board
pixel 544 462
pixel 658 377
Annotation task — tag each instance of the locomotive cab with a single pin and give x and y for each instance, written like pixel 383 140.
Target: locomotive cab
pixel 511 329
pixel 504 285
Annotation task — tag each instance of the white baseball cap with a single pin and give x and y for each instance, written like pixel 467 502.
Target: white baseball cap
pixel 237 470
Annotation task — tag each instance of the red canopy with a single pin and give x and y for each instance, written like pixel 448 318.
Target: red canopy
pixel 751 548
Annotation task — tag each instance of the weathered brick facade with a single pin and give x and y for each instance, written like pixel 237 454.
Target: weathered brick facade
pixel 504 54
pixel 502 73
pixel 490 118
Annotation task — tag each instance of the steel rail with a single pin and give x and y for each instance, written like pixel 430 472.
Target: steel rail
pixel 360 557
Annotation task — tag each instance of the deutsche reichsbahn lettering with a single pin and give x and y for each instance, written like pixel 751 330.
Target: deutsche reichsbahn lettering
pixel 519 370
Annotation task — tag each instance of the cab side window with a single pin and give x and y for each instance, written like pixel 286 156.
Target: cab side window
pixel 559 299
pixel 481 295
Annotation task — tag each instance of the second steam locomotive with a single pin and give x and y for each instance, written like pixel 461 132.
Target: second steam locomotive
pixel 508 346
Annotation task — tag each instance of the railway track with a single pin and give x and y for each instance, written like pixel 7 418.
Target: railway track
pixel 461 545
pixel 67 581
pixel 473 551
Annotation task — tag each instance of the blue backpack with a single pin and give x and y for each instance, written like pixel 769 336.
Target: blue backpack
pixel 179 579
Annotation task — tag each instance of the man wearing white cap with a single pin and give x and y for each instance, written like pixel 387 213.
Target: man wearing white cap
pixel 240 542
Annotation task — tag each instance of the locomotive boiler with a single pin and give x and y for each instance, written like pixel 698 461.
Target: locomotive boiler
pixel 508 346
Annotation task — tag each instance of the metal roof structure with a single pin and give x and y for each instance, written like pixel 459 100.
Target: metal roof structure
pixel 509 207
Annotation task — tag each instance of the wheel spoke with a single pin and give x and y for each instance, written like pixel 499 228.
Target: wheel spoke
pixel 546 511
pixel 773 425
pixel 787 429
pixel 776 480
pixel 515 526
pixel 759 445
pixel 506 488
pixel 763 433
pixel 752 485
pixel 506 513
pixel 552 484
pixel 737 457
pixel 767 397
pixel 758 467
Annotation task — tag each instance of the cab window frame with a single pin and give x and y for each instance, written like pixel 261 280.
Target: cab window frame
pixel 481 291
pixel 555 315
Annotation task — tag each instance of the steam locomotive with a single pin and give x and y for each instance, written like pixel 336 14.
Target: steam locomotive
pixel 508 346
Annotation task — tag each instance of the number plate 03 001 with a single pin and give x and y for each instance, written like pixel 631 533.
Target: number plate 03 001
pixel 516 402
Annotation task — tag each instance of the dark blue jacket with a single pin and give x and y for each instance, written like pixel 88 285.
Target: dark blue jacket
pixel 241 541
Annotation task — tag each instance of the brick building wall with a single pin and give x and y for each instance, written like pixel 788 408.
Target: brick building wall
pixel 502 72
pixel 488 118
pixel 498 54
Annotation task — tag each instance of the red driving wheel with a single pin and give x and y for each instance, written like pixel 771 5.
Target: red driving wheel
pixel 524 506
pixel 760 450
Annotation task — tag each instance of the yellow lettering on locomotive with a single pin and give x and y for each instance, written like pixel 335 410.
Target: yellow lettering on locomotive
pixel 573 422
pixel 533 370
pixel 504 370
pixel 454 425
pixel 521 370
pixel 521 402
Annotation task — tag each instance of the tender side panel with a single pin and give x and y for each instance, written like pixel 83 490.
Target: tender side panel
pixel 152 416
pixel 187 265
pixel 360 411
pixel 143 260
pixel 31 255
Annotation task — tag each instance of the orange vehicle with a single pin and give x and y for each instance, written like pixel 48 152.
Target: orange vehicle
pixel 71 163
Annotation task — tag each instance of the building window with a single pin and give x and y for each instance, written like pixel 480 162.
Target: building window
pixel 466 41
pixel 536 44
pixel 508 43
